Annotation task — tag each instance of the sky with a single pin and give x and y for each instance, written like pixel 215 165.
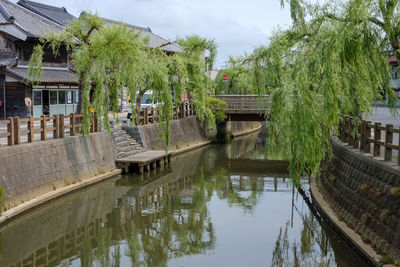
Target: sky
pixel 236 25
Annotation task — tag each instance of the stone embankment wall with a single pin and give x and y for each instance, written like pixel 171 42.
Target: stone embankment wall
pixel 365 194
pixel 186 133
pixel 239 128
pixel 30 170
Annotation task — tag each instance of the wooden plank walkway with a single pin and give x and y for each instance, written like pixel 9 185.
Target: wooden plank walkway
pixel 147 160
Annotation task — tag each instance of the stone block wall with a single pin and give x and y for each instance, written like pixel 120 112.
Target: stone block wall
pixel 30 170
pixel 365 194
pixel 185 132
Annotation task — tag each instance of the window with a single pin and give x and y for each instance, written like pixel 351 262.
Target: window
pixel 69 97
pixel 61 97
pixel 37 98
pixel 76 97
pixel 53 97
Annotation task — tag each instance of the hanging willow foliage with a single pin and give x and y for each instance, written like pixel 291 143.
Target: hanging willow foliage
pixel 334 63
pixel 109 57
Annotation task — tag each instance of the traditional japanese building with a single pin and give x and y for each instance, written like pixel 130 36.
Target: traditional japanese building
pixel 57 91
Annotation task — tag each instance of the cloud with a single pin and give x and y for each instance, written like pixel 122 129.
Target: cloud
pixel 236 25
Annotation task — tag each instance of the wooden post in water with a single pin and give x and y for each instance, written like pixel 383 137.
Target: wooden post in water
pixel 388 142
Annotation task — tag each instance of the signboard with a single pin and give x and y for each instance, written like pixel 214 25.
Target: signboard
pixel 225 78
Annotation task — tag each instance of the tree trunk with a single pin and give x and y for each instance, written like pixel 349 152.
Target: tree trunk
pixel 138 104
pixel 81 86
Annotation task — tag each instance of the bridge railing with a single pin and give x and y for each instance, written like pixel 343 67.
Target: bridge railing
pixel 245 103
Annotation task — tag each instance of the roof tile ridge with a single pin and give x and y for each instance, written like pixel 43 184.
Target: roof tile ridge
pixel 36 14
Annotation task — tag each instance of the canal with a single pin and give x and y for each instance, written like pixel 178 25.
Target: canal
pixel 222 205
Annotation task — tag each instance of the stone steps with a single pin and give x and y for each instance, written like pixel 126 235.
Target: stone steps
pixel 124 144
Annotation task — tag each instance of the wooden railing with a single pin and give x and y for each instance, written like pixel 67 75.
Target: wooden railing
pixel 61 125
pixel 369 137
pixel 17 127
pixel 245 103
pixel 151 115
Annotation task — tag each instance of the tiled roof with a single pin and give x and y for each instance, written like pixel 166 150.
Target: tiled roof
pixel 154 39
pixel 56 14
pixel 50 75
pixel 7 61
pixel 27 21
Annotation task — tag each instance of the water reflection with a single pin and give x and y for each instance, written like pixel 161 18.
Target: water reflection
pixel 208 209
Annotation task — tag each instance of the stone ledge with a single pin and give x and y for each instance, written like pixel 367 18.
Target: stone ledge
pixel 356 239
pixel 47 197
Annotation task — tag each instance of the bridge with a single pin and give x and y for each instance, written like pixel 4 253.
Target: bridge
pixel 246 107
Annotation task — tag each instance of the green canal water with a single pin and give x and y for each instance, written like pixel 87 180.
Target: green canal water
pixel 222 205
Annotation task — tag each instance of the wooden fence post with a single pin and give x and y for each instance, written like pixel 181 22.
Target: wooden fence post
pixel 182 110
pixel 377 138
pixel 43 123
pixel 31 129
pixel 72 123
pixel 356 138
pixel 55 126
pixel 145 116
pixel 61 123
pixel 17 131
pixel 96 123
pixel 398 150
pixel 367 147
pixel 362 135
pixel 92 123
pixel 388 142
pixel 10 130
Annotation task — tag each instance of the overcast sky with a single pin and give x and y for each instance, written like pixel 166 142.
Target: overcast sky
pixel 236 25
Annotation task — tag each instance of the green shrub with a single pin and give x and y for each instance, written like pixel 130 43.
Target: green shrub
pixel 218 108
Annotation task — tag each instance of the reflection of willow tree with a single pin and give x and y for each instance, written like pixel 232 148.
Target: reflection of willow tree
pixel 172 226
pixel 312 250
pixel 230 187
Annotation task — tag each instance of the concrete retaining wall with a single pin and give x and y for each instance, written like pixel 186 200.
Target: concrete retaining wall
pixel 365 194
pixel 185 133
pixel 30 170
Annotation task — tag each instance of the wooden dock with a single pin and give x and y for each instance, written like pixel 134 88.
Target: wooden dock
pixel 144 161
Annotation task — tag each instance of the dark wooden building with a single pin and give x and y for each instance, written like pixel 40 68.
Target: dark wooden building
pixel 57 91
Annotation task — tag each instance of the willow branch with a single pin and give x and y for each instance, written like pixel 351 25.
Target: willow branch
pixel 371 19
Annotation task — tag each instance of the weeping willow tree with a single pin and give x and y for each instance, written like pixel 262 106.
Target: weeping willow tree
pixel 199 84
pixel 245 75
pixel 109 57
pixel 331 61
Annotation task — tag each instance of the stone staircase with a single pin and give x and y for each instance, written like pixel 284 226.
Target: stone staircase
pixel 124 144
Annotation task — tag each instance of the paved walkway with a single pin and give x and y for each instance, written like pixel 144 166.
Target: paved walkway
pixel 383 115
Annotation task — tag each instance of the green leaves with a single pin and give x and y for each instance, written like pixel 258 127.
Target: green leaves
pixel 335 63
pixel 110 57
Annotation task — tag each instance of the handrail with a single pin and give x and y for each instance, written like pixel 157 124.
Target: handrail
pixel 369 135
